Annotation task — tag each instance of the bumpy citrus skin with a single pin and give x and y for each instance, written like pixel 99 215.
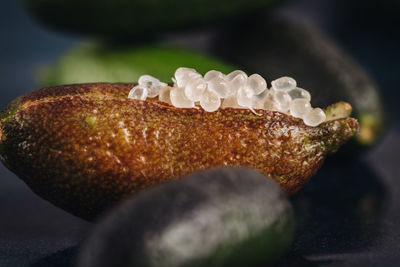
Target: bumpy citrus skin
pixel 84 147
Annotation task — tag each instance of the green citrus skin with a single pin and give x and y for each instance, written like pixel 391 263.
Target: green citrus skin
pixel 221 217
pixel 86 146
pixel 138 18
pixel 99 62
pixel 281 46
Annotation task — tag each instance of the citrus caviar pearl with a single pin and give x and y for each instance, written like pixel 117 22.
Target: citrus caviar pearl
pixel 195 89
pixel 314 117
pixel 164 95
pixel 298 107
pixel 184 75
pixel 212 74
pixel 281 101
pixel 219 87
pixel 234 90
pixel 261 99
pixel 138 92
pixel 245 98
pixel 210 101
pixel 299 93
pixel 256 84
pixel 180 72
pixel 237 82
pixel 230 102
pixel 152 84
pixel 179 100
pixel 284 83
pixel 234 74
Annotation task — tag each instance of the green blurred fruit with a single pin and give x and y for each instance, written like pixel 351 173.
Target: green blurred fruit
pixel 132 18
pixel 232 217
pixel 98 63
pixel 283 46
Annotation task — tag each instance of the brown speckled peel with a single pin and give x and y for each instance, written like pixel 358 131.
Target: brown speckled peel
pixel 84 147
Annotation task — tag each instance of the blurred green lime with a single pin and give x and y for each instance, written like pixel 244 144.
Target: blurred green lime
pixel 286 46
pixel 127 18
pixel 92 62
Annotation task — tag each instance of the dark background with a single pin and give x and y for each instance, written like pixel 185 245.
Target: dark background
pixel 345 218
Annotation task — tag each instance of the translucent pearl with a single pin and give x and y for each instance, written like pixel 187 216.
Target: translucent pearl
pixel 180 72
pixel 281 101
pixel 234 74
pixel 219 87
pixel 284 83
pixel 185 75
pixel 138 92
pixel 299 93
pixel 264 94
pixel 256 84
pixel 238 82
pixel 165 94
pixel 179 100
pixel 152 84
pixel 264 101
pixel 257 102
pixel 269 102
pixel 245 98
pixel 314 117
pixel 213 74
pixel 194 75
pixel 147 80
pixel 210 101
pixel 299 107
pixel 195 88
pixel 230 102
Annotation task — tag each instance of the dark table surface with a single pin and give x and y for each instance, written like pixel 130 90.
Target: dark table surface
pixel 349 214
